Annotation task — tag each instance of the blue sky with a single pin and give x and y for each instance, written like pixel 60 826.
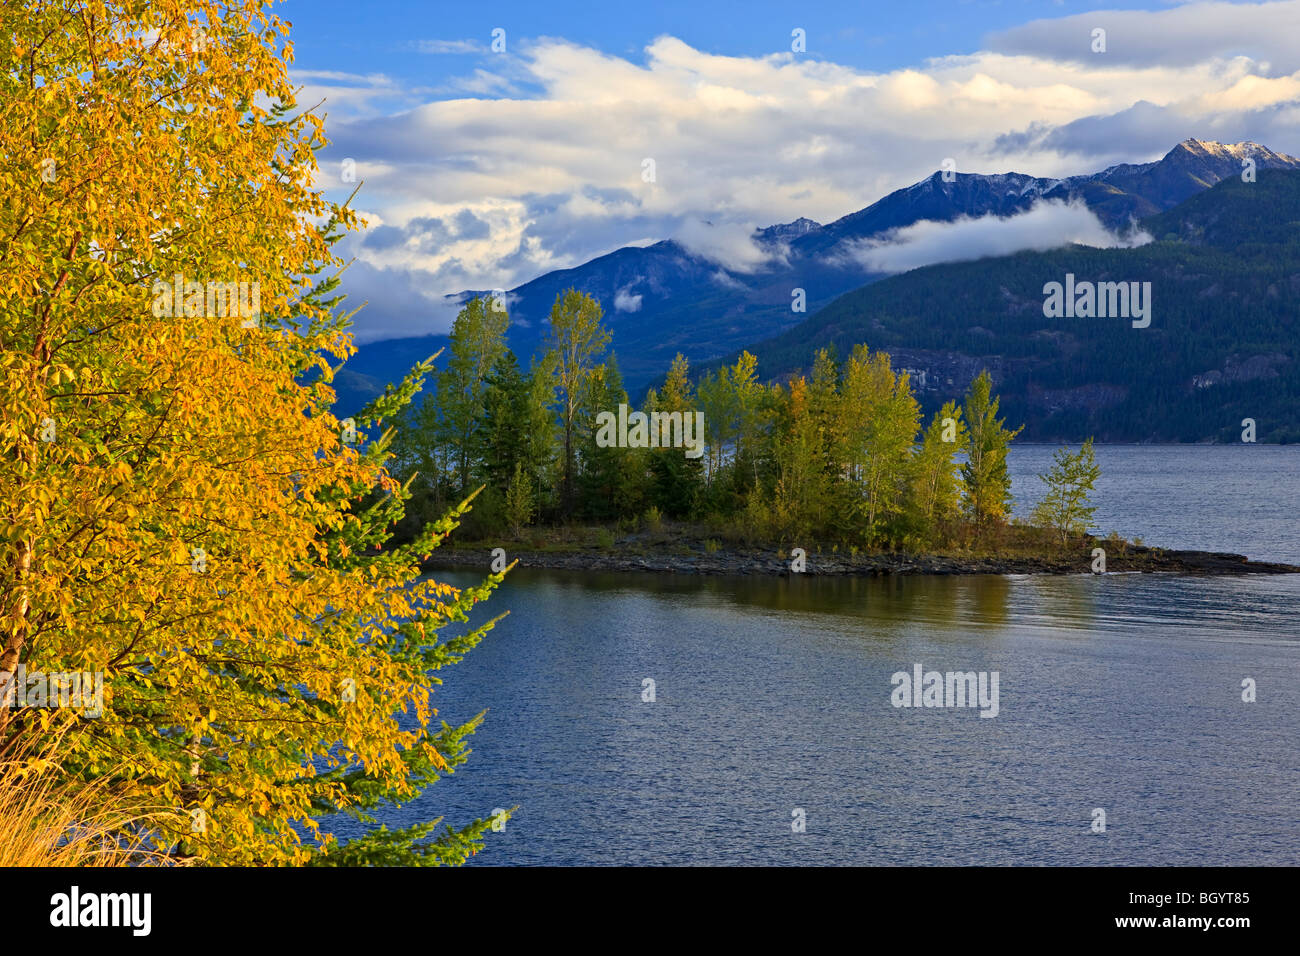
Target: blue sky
pixel 485 169
pixel 381 36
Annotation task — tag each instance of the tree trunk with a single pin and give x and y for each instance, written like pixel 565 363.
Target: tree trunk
pixel 18 637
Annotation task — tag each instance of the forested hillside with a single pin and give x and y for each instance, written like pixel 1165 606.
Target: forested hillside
pixel 1225 280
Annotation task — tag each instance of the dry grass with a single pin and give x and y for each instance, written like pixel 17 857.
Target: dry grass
pixel 47 820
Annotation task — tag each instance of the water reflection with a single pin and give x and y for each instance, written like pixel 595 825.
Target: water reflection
pixel 941 601
pixel 1119 691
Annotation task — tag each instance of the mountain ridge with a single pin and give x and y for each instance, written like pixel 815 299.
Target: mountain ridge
pixel 663 298
pixel 1224 271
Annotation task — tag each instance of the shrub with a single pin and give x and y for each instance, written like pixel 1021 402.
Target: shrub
pixel 653 519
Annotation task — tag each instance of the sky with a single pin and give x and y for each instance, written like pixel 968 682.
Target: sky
pixel 497 142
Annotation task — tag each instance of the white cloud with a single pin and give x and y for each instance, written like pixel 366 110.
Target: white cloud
pixel 437 47
pixel 399 303
pixel 346 96
pixel 625 301
pixel 546 145
pixel 1191 33
pixel 731 245
pixel 1046 225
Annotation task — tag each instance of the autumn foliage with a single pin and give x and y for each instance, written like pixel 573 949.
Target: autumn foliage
pixel 181 510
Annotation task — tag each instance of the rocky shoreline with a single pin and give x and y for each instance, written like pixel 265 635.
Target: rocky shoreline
pixel 681 560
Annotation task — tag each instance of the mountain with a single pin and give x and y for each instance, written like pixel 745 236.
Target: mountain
pixel 788 231
pixel 1221 346
pixel 666 298
pixel 1118 194
pixel 1194 165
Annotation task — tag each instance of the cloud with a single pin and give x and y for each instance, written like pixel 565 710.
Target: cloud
pixel 545 146
pixel 437 47
pixel 1146 131
pixel 1185 35
pixel 625 301
pixel 1141 129
pixel 384 237
pixel 1046 225
pixel 398 303
pixel 345 96
pixel 428 234
pixel 731 245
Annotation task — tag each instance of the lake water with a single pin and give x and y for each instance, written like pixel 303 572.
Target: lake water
pixel 1239 498
pixel 1120 693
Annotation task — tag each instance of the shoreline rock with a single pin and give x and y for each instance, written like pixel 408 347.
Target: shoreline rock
pixel 759 561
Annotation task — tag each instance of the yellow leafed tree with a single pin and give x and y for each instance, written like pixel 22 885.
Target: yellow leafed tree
pixel 181 511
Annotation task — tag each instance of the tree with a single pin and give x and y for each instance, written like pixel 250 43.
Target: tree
pixel 753 419
pixel 182 512
pixel 1069 482
pixel 608 483
pixel 893 439
pixel 799 490
pixel 477 343
pixel 519 500
pixel 503 439
pixel 935 495
pixel 675 480
pixel 985 479
pixel 540 459
pixel 717 397
pixel 883 420
pixel 577 341
pixel 419 459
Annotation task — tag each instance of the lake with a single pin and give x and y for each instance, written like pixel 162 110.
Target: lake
pixel 1117 693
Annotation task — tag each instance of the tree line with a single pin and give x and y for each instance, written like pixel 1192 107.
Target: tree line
pixel 837 454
